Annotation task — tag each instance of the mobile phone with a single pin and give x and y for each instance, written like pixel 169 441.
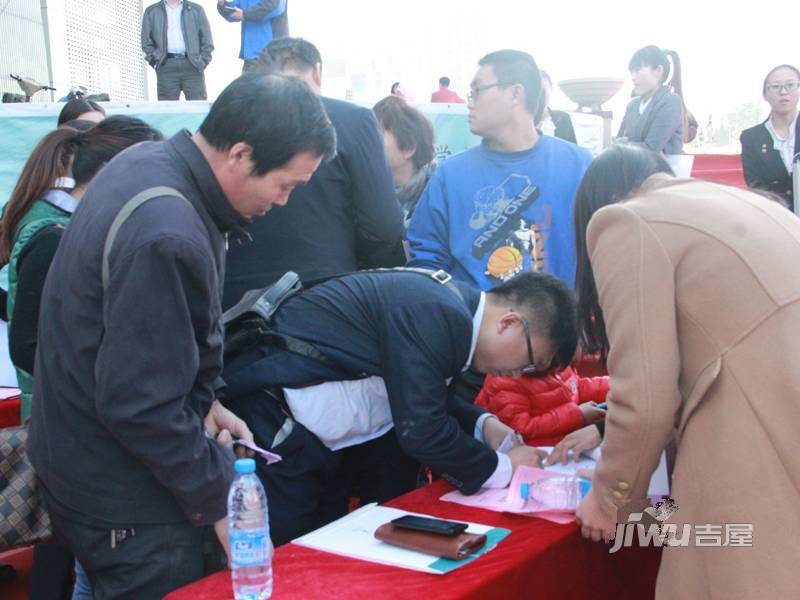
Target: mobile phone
pixel 602 406
pixel 228 9
pixel 439 526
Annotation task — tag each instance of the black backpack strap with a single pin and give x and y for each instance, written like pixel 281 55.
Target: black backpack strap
pixel 248 322
pixel 440 276
pixel 265 302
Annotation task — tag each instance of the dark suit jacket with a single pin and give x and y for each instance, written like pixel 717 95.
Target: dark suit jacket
pixel 345 218
pixel 404 327
pixel 763 166
pixel 564 128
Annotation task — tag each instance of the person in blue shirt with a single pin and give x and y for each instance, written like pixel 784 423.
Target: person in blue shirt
pixel 505 206
pixel 262 21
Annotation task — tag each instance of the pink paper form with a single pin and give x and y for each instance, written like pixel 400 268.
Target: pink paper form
pixel 509 499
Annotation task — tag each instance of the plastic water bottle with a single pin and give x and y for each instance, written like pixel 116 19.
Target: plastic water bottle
pixel 251 549
pixel 557 493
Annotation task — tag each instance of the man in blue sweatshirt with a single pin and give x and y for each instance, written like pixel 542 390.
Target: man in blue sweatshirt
pixel 505 206
pixel 262 21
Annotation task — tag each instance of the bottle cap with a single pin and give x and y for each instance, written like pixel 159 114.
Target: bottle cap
pixel 245 465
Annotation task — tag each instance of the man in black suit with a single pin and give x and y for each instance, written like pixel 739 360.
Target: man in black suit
pixel 345 218
pixel 396 339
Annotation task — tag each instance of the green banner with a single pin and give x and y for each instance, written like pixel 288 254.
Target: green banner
pixel 23 125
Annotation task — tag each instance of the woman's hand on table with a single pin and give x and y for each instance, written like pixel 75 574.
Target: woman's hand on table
pixel 575 442
pixel 594 521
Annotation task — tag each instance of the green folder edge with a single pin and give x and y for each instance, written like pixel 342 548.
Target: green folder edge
pixel 493 537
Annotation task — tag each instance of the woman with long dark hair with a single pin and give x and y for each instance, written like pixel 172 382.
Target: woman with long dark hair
pixel 692 292
pixel 656 117
pixel 769 148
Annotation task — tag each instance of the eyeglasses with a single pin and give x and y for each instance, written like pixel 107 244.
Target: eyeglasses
pixel 475 90
pixel 531 368
pixel 789 86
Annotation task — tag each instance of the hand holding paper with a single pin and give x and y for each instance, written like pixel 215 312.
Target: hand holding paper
pixel 268 456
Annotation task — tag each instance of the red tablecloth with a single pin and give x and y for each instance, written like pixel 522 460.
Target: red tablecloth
pixel 9 412
pixel 538 560
pixel 719 168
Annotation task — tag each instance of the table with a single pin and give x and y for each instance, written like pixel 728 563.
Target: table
pixel 719 168
pixel 10 412
pixel 539 559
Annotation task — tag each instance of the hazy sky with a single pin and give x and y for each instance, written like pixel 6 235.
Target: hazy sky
pixel 725 50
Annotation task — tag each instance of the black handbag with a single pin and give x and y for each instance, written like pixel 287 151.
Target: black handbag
pixel 23 517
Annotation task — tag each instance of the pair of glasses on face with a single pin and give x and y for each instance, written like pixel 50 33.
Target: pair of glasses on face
pixel 789 86
pixel 475 90
pixel 531 368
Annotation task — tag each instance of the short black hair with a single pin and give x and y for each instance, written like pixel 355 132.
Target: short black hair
pixel 293 53
pixel 76 107
pixel 549 305
pixel 512 67
pixel 445 81
pixel 410 127
pixel 277 116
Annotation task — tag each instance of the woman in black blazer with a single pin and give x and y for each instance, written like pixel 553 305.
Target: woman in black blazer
pixel 768 149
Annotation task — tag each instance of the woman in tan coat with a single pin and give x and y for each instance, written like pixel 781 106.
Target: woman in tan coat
pixel 692 289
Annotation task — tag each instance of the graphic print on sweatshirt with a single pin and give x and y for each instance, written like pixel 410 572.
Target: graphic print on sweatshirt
pixel 505 238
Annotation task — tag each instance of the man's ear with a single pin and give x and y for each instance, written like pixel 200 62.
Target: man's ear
pixel 240 155
pixel 316 75
pixel 509 319
pixel 409 154
pixel 518 94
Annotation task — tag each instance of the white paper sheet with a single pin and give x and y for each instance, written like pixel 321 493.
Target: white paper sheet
pixel 353 536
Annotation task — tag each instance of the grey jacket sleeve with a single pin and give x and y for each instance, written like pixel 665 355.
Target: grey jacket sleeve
pixel 158 304
pixel 206 41
pixel 147 37
pixel 666 119
pixel 257 12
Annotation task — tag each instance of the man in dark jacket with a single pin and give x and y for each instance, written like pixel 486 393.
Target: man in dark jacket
pixel 176 39
pixel 346 218
pixel 126 436
pixel 392 340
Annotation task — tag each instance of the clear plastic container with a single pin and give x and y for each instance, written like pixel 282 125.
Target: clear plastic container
pixel 557 493
pixel 248 522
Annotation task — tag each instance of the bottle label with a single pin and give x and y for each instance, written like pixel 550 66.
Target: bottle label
pixel 249 548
